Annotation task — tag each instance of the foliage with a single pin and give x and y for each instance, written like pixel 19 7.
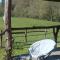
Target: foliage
pixel 37 9
pixel 40 9
pixel 1 11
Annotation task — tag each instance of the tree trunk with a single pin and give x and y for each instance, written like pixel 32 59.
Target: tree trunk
pixel 8 34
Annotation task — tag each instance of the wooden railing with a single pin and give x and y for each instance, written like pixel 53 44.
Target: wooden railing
pixel 54 28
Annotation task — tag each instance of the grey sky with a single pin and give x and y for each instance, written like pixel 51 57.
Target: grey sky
pixel 0 0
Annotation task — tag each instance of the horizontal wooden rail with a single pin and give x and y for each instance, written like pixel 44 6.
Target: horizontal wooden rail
pixel 18 32
pixel 37 27
pixel 34 27
pixel 27 32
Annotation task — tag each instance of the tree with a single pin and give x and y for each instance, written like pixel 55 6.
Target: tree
pixel 21 8
pixel 1 10
pixel 35 9
pixel 8 33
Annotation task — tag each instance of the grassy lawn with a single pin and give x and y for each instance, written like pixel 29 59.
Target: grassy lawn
pixel 29 22
pixel 2 54
pixel 31 37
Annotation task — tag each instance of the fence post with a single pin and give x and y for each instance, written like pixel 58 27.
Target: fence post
pixel 45 32
pixel 55 33
pixel 26 35
pixel 1 38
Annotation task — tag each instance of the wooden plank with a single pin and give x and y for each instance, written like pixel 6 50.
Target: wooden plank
pixel 26 36
pixel 55 33
pixel 18 32
pixel 1 38
pixel 36 27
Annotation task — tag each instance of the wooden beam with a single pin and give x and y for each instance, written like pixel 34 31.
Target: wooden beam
pixel 1 38
pixel 36 27
pixel 55 33
pixel 7 24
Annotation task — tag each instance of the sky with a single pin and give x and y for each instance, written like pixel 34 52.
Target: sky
pixel 0 0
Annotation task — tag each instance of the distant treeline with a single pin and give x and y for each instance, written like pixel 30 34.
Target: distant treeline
pixel 35 9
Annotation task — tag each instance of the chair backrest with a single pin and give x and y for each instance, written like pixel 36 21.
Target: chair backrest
pixel 42 47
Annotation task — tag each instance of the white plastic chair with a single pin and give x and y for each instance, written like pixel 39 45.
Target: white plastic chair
pixel 42 48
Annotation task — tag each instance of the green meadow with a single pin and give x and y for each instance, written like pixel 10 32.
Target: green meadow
pixel 30 22
pixel 27 22
pixel 22 47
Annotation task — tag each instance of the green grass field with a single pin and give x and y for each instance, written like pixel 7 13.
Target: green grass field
pixel 28 22
pixel 31 37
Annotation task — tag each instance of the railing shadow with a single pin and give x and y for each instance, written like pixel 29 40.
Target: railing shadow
pixel 57 49
pixel 53 57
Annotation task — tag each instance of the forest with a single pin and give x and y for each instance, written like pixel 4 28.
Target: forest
pixel 39 9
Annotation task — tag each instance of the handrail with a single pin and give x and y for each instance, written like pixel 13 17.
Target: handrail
pixel 27 30
pixel 37 27
pixel 34 27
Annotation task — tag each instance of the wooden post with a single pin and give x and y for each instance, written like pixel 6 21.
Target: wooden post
pixel 26 35
pixel 1 38
pixel 8 34
pixel 45 33
pixel 55 33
